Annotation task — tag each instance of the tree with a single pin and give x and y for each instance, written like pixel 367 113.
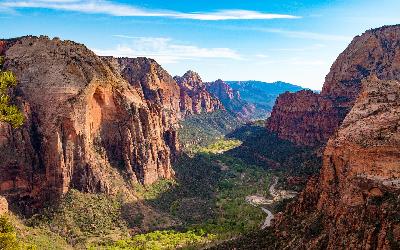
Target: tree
pixel 8 113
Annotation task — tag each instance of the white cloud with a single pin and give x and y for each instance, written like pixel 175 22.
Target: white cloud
pixel 115 9
pixel 165 50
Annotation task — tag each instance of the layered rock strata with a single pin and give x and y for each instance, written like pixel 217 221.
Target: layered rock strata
pixel 310 119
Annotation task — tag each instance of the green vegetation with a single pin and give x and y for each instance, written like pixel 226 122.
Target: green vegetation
pixel 155 190
pixel 14 235
pixel 8 236
pixel 8 113
pixel 83 218
pixel 167 239
pixel 212 190
pixel 265 149
pixel 212 183
pixel 204 129
pixel 204 204
pixel 218 147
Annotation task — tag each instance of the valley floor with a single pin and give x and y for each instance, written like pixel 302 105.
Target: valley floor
pixel 227 187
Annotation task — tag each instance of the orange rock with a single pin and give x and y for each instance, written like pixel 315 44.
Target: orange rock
pixel 310 119
pixel 3 205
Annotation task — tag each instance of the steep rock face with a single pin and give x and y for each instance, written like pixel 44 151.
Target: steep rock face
pixel 194 98
pixel 376 52
pixel 83 120
pixel 231 99
pixel 149 78
pixel 360 178
pixel 356 199
pixel 304 117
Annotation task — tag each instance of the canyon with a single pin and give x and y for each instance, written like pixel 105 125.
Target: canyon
pixel 110 126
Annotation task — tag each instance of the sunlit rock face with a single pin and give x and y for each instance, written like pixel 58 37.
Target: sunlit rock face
pixel 355 201
pixel 310 119
pixel 194 97
pixel 85 120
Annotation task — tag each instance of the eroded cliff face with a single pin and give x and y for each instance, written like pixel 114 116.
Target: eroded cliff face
pixel 194 97
pixel 360 177
pixel 355 204
pixel 150 79
pixel 84 122
pixel 376 52
pixel 304 117
pixel 231 99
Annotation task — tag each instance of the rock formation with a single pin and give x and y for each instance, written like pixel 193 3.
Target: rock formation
pixel 360 177
pixel 357 196
pixel 194 98
pixel 3 205
pixel 294 117
pixel 231 99
pixel 84 121
pixel 304 117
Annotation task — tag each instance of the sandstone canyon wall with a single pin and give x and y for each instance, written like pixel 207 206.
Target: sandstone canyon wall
pixel 194 97
pixel 355 203
pixel 86 118
pixel 310 119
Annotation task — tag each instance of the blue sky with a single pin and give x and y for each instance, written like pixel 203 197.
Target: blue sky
pixel 269 40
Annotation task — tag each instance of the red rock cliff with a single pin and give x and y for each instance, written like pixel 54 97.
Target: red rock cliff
pixel 296 118
pixel 356 199
pixel 84 121
pixel 194 98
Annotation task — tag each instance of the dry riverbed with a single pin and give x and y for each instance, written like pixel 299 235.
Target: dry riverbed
pixel 277 195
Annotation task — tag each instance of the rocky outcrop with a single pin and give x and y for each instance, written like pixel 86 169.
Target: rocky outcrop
pixel 150 79
pixel 3 205
pixel 231 99
pixel 194 98
pixel 356 199
pixel 376 52
pixel 360 177
pixel 304 117
pixel 84 121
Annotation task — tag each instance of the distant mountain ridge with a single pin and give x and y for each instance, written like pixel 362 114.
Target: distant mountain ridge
pixel 262 94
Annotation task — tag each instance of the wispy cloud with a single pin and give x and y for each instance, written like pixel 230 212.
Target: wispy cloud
pixel 165 50
pixel 115 9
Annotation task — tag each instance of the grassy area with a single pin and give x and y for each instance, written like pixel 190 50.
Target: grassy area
pixel 219 146
pixel 167 239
